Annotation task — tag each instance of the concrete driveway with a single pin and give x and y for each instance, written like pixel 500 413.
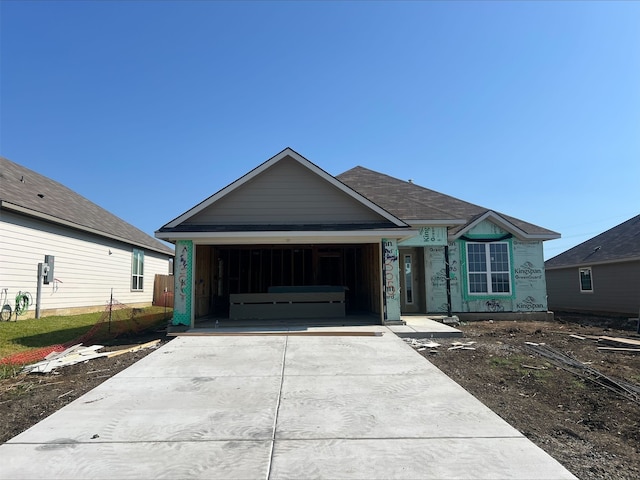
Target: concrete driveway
pixel 276 407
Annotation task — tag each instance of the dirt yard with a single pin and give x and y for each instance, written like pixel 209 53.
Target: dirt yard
pixel 592 430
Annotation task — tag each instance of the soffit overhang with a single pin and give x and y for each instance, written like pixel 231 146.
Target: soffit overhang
pixel 289 237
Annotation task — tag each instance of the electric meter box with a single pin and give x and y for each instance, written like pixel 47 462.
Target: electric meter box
pixel 48 276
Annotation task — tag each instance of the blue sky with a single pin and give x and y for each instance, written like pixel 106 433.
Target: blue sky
pixel 531 109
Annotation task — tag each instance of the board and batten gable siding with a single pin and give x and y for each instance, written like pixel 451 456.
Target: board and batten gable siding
pixel 84 270
pixel 616 289
pixel 286 193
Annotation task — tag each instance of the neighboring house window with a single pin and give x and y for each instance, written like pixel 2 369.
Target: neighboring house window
pixel 489 271
pixel 586 282
pixel 137 269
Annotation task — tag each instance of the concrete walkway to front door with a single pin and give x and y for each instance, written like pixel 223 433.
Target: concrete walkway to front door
pixel 359 406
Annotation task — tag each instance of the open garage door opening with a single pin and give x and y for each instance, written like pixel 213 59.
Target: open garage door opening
pixel 228 275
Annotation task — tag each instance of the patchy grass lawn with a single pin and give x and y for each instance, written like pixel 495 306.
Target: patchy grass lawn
pixel 31 334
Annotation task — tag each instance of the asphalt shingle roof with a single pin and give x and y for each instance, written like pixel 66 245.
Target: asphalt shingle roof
pixel 25 188
pixel 619 243
pixel 409 201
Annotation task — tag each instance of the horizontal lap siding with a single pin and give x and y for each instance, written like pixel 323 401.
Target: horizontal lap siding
pixel 286 193
pixel 616 289
pixel 85 270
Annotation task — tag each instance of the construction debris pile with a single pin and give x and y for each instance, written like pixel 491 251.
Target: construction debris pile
pixel 585 371
pixel 429 344
pixel 562 360
pixel 79 354
pixel 617 344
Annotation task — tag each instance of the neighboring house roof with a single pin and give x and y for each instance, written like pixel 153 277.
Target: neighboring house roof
pixel 418 205
pixel 618 244
pixel 29 193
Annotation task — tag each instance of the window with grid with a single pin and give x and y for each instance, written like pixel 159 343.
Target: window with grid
pixel 137 270
pixel 488 268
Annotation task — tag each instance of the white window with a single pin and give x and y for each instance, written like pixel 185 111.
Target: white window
pixel 137 270
pixel 489 272
pixel 586 281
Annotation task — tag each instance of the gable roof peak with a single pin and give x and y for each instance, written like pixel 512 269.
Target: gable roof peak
pixel 288 152
pixel 493 217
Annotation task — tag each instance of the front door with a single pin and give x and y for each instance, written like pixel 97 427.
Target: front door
pixel 411 280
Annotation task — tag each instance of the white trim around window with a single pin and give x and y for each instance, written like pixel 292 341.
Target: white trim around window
pixel 585 278
pixel 137 270
pixel 488 268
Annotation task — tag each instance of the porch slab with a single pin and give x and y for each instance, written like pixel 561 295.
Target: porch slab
pixel 418 326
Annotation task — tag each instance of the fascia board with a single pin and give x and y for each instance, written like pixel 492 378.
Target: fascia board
pixel 541 236
pixel 287 152
pixel 319 237
pixel 58 221
pixel 591 264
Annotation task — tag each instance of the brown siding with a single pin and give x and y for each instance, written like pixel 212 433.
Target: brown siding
pixel 616 289
pixel 286 193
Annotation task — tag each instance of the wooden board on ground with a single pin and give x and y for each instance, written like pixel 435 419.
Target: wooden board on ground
pixel 135 348
pixel 305 333
pixel 619 349
pixel 619 342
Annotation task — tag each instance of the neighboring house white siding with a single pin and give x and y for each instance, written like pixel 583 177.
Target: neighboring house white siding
pixel 86 266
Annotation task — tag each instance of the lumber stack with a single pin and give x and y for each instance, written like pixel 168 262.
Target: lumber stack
pixel 619 344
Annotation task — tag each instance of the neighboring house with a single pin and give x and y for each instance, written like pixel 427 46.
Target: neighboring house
pixel 601 275
pixel 288 232
pixel 92 251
